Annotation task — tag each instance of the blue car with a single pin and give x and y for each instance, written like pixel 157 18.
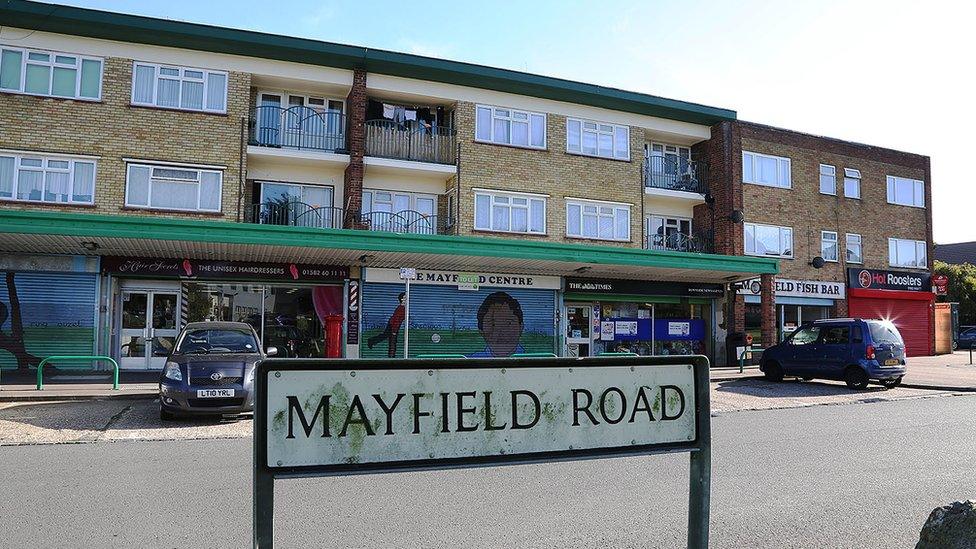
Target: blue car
pixel 967 337
pixel 853 350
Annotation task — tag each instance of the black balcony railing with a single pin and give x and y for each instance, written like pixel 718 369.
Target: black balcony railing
pixel 297 127
pixel 675 173
pixel 388 139
pixel 300 214
pixel 699 242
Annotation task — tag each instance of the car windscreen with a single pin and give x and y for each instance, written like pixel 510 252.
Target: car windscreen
pixel 884 332
pixel 217 341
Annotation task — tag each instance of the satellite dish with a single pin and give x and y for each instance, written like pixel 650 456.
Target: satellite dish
pixel 818 262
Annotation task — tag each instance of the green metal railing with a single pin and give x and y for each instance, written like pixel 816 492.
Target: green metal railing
pixel 443 355
pixel 747 351
pixel 534 355
pixel 78 358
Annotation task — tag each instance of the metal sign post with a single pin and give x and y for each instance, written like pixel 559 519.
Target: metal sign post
pixel 339 417
pixel 407 274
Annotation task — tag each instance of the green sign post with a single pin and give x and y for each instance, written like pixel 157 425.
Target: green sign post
pixel 340 417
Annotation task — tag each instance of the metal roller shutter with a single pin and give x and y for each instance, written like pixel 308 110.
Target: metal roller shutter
pixel 57 316
pixel 910 316
pixel 444 320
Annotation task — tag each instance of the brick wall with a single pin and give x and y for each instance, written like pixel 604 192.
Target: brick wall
pixel 808 211
pixel 113 129
pixel 356 136
pixel 551 171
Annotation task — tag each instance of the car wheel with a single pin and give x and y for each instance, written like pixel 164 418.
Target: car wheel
pixel 773 371
pixel 165 415
pixel 891 383
pixel 856 378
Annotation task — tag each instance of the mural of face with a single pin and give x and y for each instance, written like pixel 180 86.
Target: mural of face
pixel 500 322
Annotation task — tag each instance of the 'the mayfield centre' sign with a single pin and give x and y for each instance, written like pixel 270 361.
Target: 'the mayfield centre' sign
pixel 341 417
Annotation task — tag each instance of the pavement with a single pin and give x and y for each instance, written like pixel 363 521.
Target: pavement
pixel 853 476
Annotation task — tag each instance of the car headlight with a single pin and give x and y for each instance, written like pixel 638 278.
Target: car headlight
pixel 172 371
pixel 250 375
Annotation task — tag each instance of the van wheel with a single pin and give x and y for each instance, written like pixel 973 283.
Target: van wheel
pixel 773 371
pixel 891 383
pixel 856 378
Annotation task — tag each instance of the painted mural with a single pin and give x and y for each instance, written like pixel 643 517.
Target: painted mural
pixel 488 322
pixel 44 314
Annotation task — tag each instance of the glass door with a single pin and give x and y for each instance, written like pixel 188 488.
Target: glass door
pixel 578 329
pixel 268 131
pixel 149 326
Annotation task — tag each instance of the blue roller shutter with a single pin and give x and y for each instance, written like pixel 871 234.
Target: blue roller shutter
pixel 57 316
pixel 444 320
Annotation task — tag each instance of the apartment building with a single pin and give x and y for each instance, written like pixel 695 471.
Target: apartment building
pixel 850 223
pixel 154 173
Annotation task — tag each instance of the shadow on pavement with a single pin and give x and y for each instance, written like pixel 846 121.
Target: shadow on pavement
pixel 789 388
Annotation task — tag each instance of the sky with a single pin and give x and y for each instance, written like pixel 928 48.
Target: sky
pixel 893 73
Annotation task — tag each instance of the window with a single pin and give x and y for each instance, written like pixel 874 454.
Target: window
pixel 598 220
pixel 907 192
pixel 837 335
pixel 509 212
pixel 670 233
pixel 828 246
pixel 173 188
pixel 806 336
pixel 179 88
pixel 400 212
pixel 906 253
pixel 854 254
pixel 762 169
pixel 852 183
pixel 50 74
pixel 53 179
pixel 828 179
pixel 510 127
pixel 597 139
pixel 769 240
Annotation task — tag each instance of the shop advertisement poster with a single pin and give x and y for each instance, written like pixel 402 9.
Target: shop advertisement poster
pixel 785 287
pixel 472 281
pixel 625 327
pixel 679 328
pixel 607 330
pixel 221 270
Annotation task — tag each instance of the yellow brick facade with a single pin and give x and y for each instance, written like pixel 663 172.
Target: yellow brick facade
pixel 551 171
pixel 113 129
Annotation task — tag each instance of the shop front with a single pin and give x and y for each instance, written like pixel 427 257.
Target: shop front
pixel 475 314
pixel 299 309
pixel 797 302
pixel 47 307
pixel 647 318
pixel 903 297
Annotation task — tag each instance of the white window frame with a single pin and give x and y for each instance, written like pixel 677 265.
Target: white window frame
pixel 574 230
pixel 510 117
pixel 826 170
pixel 918 191
pixel 848 246
pixel 850 174
pixel 46 168
pixel 825 237
pixel 494 195
pixel 749 163
pixel 597 129
pixel 782 232
pixel 52 63
pixel 199 182
pixel 921 253
pixel 181 78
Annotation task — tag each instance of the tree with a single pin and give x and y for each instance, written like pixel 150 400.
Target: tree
pixel 962 289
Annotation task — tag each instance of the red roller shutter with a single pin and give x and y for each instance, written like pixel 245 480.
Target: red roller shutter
pixel 911 312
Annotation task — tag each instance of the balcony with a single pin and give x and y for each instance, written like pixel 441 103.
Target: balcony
pixel 698 242
pixel 300 214
pixel 297 127
pixel 673 173
pixel 388 139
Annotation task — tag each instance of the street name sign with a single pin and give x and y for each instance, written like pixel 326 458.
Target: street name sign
pixel 330 417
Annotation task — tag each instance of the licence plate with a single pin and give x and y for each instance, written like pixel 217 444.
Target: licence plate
pixel 892 362
pixel 215 393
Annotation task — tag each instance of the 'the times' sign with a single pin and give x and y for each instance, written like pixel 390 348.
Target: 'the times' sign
pixel 364 414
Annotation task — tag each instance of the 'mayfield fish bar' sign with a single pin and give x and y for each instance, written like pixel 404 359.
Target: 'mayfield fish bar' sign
pixel 319 417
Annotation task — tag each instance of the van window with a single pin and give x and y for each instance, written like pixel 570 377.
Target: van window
pixel 884 332
pixel 806 336
pixel 837 335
